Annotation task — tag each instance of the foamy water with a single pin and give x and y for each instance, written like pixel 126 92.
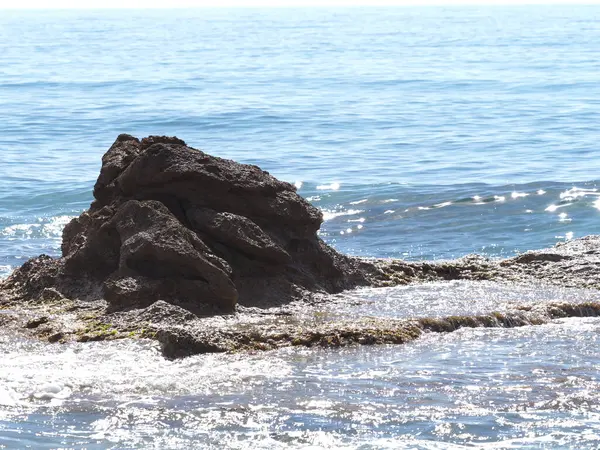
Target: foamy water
pixel 492 388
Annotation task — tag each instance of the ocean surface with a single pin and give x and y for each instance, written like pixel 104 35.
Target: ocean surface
pixel 422 133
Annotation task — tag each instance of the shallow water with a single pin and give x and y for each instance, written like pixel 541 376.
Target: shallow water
pixel 530 387
pixel 452 298
pixel 422 133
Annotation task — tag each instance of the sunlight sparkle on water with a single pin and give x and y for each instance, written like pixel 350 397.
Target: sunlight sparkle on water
pixel 328 214
pixel 518 194
pixel 554 207
pixel 572 194
pixel 46 227
pixel 329 187
pixel 564 217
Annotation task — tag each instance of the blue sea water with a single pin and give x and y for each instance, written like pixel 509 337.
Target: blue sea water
pixel 422 133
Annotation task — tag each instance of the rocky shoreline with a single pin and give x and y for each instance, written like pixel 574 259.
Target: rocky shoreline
pixel 205 254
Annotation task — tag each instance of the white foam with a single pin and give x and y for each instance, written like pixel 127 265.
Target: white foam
pixel 8 397
pixel 564 217
pixel 574 193
pixel 121 370
pixel 554 207
pixel 49 228
pixel 332 214
pixel 329 187
pixel 52 391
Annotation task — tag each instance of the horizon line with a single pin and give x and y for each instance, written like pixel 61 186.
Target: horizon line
pixel 264 4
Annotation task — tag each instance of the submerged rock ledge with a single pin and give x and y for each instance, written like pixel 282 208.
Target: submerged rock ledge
pixel 206 254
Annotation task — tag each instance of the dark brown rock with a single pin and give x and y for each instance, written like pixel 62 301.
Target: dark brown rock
pixel 157 246
pixel 34 323
pixel 125 149
pixel 56 337
pixel 239 233
pixel 171 223
pixel 32 278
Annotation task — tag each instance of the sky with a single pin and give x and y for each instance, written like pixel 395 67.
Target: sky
pixel 84 4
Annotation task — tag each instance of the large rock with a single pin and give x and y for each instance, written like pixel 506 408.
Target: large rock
pixel 172 223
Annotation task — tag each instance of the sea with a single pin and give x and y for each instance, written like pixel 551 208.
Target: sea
pixel 422 133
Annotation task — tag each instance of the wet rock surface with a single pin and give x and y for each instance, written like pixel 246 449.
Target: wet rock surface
pixel 269 334
pixel 206 255
pixel 573 263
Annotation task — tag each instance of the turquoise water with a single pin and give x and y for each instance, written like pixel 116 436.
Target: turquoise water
pixel 422 133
